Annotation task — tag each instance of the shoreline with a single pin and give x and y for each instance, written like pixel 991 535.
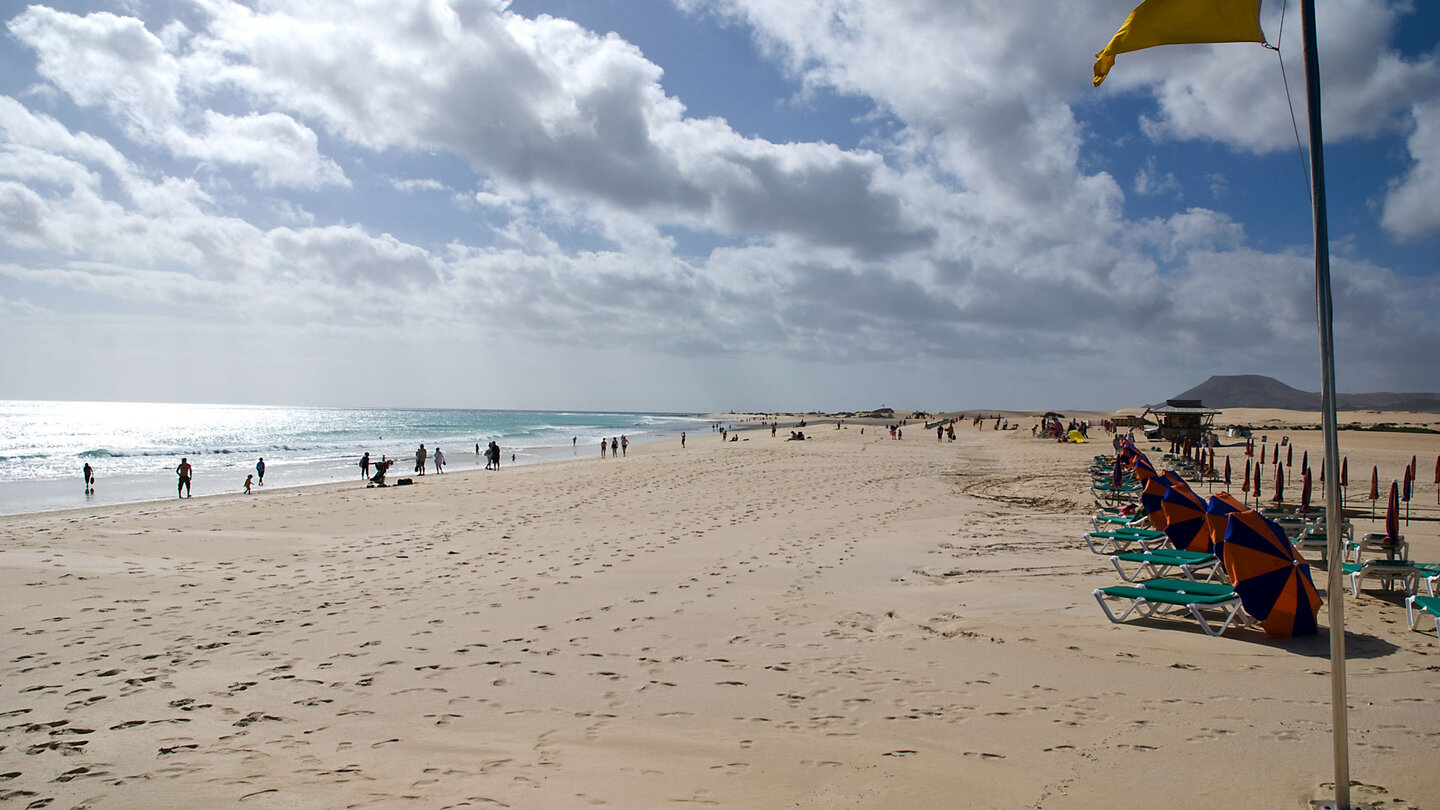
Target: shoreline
pixel 143 488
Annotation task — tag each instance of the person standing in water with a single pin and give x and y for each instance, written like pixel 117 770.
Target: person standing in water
pixel 439 461
pixel 260 471
pixel 365 465
pixel 89 479
pixel 185 471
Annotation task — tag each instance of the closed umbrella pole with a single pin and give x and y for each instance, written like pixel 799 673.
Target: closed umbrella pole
pixel 1374 489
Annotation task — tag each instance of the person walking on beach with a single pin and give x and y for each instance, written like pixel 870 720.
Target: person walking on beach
pixel 624 445
pixel 420 456
pixel 682 439
pixel 184 471
pixel 495 449
pixel 439 461
pixel 260 471
pixel 89 479
pixel 365 465
pixel 614 446
pixel 604 445
pixel 248 479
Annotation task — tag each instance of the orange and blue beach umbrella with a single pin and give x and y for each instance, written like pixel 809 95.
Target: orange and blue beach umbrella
pixel 1273 582
pixel 1217 514
pixel 1152 494
pixel 1185 518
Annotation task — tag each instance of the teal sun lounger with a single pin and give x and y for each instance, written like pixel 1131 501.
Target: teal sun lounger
pixel 1159 562
pixel 1167 596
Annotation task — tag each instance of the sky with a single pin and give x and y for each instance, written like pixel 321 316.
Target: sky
pixel 702 205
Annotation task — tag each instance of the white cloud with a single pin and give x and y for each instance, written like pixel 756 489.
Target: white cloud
pixel 1412 206
pixel 116 63
pixel 547 105
pixel 1150 180
pixel 420 184
pixel 1232 94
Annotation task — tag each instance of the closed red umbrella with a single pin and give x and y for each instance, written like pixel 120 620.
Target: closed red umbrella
pixel 1227 472
pixel 1263 448
pixel 1279 484
pixel 1255 485
pixel 1305 460
pixel 1273 582
pixel 1344 472
pixel 1304 490
pixel 1289 454
pixel 1374 488
pixel 1437 469
pixel 1405 492
pixel 1245 487
pixel 1322 470
pixel 1392 515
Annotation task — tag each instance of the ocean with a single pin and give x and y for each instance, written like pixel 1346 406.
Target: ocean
pixel 134 447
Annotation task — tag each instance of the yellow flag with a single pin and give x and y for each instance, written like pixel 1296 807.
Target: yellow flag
pixel 1181 22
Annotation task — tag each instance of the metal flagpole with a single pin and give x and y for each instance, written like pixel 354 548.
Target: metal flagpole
pixel 1324 313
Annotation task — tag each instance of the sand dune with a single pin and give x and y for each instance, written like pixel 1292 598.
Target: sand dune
pixel 845 621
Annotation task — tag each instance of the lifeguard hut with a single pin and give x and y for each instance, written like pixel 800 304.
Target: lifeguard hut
pixel 1181 419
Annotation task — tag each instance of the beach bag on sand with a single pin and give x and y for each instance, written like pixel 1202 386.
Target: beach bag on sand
pixel 404 482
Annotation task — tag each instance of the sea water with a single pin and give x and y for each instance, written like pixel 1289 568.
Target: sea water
pixel 135 447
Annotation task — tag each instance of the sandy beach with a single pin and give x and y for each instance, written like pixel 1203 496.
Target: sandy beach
pixel 848 621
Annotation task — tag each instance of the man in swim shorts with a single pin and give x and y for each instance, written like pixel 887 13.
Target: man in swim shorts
pixel 184 471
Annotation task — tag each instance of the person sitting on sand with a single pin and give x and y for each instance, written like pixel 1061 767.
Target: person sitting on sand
pixel 248 480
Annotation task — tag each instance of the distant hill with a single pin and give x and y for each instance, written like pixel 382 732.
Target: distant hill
pixel 1256 391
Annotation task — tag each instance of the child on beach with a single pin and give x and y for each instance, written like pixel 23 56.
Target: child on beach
pixel 248 479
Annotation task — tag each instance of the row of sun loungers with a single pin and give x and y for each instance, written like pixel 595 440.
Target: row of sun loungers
pixel 1160 580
